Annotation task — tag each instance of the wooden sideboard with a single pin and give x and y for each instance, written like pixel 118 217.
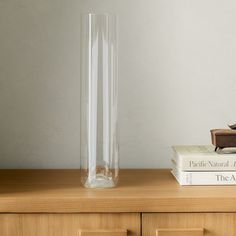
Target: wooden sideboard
pixel 145 202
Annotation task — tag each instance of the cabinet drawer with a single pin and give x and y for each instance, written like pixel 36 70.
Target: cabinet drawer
pixel 70 224
pixel 189 224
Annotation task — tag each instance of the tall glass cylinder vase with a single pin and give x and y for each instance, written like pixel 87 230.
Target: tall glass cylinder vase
pixel 99 144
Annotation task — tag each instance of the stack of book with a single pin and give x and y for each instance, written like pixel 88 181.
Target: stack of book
pixel 201 165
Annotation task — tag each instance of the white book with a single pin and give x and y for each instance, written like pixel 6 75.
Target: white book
pixel 204 158
pixel 205 178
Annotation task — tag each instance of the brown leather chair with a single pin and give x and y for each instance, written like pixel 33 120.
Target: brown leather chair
pixel 223 138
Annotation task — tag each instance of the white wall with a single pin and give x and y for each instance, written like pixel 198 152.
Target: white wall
pixel 177 71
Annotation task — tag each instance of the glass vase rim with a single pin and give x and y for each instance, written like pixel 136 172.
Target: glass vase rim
pixel 98 14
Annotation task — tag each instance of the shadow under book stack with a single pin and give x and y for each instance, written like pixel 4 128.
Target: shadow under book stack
pixel 201 165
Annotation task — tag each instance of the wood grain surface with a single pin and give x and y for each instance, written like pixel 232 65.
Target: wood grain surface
pixel 189 224
pixel 69 224
pixel 138 191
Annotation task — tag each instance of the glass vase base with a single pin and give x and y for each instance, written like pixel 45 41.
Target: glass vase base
pixel 100 181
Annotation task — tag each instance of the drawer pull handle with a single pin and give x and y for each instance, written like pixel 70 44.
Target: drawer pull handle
pixel 180 232
pixel 105 232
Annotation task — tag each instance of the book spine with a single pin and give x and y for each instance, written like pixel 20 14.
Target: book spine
pixel 205 178
pixel 205 163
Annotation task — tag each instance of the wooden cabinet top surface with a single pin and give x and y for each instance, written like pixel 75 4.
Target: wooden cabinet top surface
pixel 138 191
